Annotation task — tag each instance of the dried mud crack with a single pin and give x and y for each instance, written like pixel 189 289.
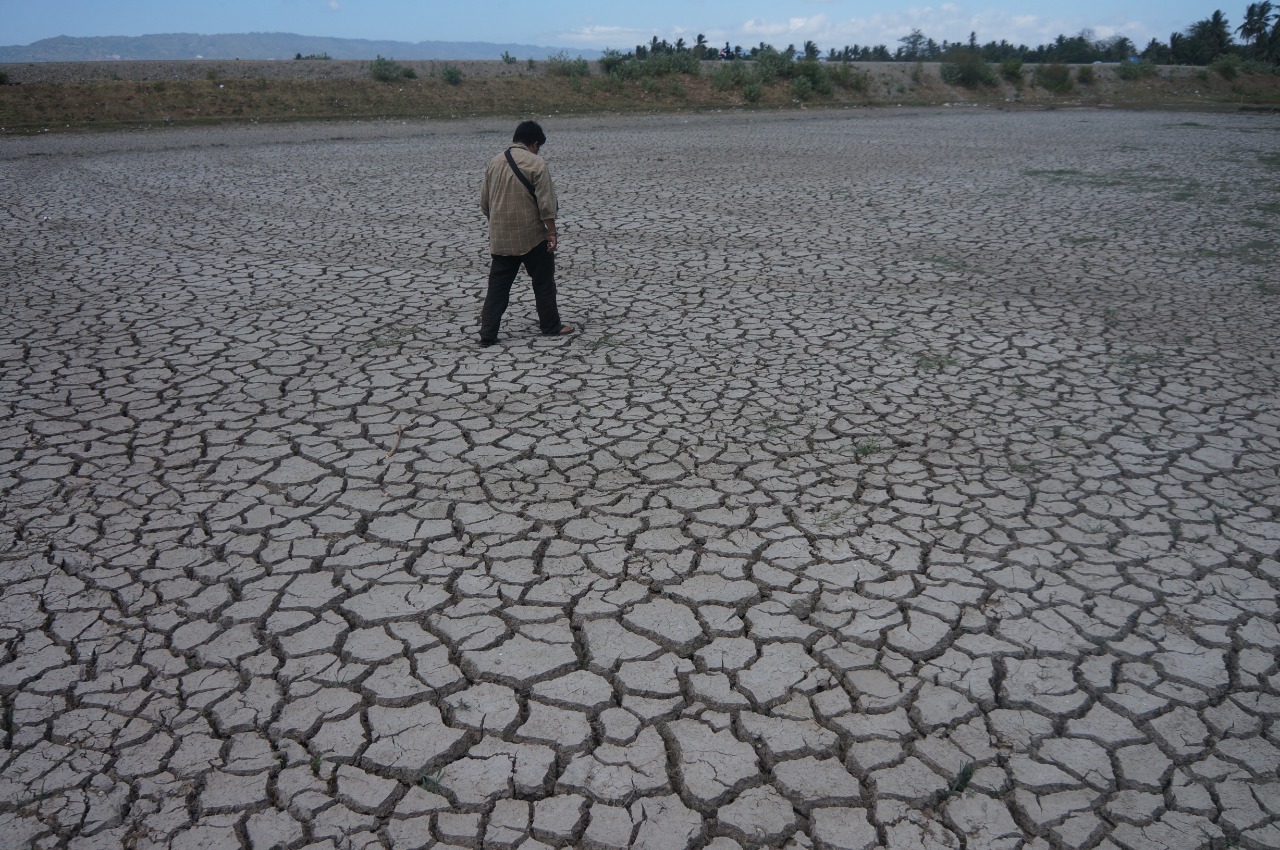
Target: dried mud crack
pixel 913 484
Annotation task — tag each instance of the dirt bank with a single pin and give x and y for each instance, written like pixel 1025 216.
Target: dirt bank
pixel 104 95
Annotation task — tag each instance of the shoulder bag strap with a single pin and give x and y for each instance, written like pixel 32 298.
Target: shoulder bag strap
pixel 511 161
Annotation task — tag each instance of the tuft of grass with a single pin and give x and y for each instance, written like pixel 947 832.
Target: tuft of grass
pixel 451 75
pixel 962 780
pixel 867 447
pixel 934 362
pixel 431 782
pixel 605 339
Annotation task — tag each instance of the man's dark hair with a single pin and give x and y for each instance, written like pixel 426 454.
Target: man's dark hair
pixel 529 133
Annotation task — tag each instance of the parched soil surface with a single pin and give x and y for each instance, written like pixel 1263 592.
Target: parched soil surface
pixel 912 482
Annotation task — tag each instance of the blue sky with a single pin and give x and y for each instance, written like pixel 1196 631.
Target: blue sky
pixel 597 24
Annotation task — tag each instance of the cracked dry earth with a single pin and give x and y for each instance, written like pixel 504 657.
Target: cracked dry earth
pixel 912 485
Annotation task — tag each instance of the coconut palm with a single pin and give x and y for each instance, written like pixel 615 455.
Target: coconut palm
pixel 1212 37
pixel 1256 28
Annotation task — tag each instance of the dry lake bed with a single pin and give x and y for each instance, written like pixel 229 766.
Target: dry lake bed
pixel 913 483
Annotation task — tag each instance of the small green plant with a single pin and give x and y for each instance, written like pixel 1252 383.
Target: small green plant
pixel 752 92
pixel 934 362
pixel 4 78
pixel 211 75
pixel 451 75
pixel 1054 77
pixel 961 782
pixel 1086 76
pixel 865 448
pixel 432 782
pixel 507 58
pixel 312 56
pixel 530 64
pixel 315 765
pixel 802 88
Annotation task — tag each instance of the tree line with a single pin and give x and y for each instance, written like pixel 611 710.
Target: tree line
pixel 1201 43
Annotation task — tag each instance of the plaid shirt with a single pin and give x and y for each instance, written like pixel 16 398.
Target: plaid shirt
pixel 515 221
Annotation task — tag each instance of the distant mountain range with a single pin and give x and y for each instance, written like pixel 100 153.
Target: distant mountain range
pixel 263 45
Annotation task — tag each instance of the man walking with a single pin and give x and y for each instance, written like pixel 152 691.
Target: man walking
pixel 519 200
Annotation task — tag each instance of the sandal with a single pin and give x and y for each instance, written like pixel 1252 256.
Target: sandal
pixel 565 330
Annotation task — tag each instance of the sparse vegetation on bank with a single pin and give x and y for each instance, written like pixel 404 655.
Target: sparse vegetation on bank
pixel 197 96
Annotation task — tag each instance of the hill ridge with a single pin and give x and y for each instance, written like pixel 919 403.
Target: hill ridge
pixel 261 45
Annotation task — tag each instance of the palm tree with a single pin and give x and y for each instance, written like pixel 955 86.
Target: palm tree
pixel 1257 25
pixel 1212 37
pixel 811 51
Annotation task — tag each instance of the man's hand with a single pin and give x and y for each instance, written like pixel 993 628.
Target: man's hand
pixel 552 241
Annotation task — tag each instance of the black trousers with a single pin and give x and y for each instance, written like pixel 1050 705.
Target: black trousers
pixel 541 265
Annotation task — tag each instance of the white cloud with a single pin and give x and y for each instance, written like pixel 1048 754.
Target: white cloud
pixel 335 5
pixel 949 21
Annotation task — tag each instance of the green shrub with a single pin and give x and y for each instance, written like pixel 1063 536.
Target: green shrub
pixel 324 56
pixel 560 65
pixel 773 65
pixel 802 87
pixel 1136 70
pixel 4 78
pixel 728 75
pixel 386 70
pixel 965 67
pixel 1011 70
pixel 1085 75
pixel 1054 77
pixel 507 58
pixel 627 67
pixel 610 60
pixel 847 78
pixel 752 92
pixel 451 75
pixel 1228 65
